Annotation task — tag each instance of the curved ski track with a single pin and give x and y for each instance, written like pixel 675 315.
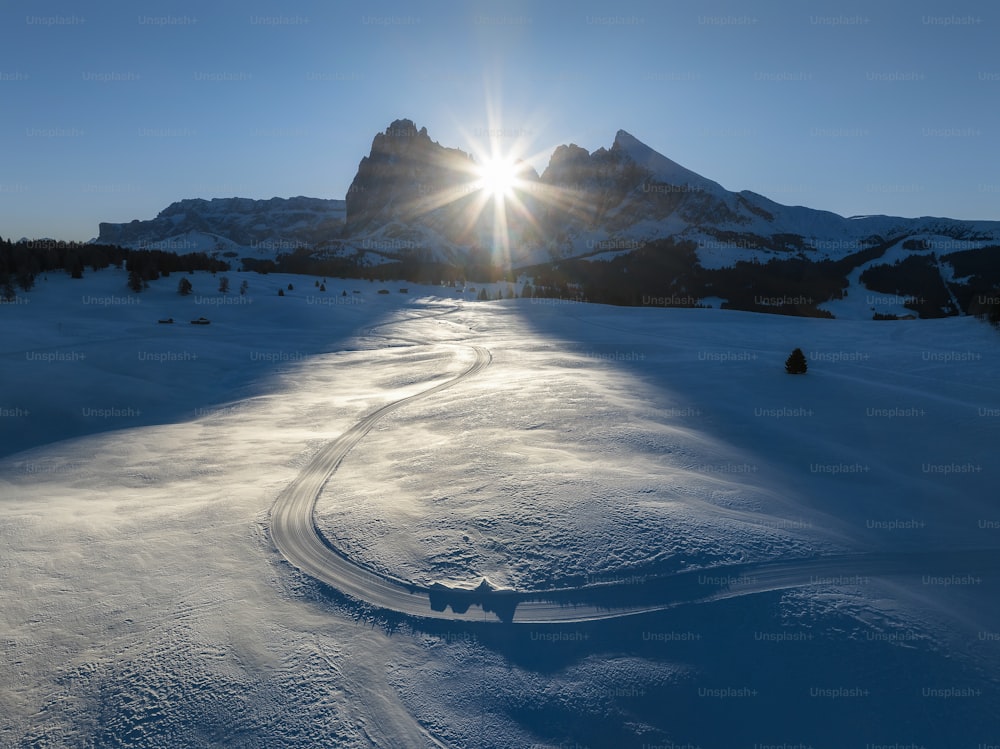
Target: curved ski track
pixel 299 541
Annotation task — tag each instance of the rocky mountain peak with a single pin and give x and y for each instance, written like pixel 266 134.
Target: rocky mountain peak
pixel 402 174
pixel 413 196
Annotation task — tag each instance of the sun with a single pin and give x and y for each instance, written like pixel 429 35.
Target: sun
pixel 496 190
pixel 498 177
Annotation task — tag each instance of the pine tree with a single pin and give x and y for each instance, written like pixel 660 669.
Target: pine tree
pixel 184 287
pixel 224 284
pixel 73 265
pixel 244 287
pixel 135 281
pixel 483 295
pixel 796 363
pixel 25 269
pixel 281 292
pixel 25 279
pixel 8 294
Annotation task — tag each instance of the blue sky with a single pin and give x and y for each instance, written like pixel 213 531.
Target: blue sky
pixel 113 110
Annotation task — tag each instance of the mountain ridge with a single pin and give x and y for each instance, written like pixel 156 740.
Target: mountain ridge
pixel 235 224
pixel 623 223
pixel 412 193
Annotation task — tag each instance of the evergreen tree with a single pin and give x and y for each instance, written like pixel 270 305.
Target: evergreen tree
pixel 281 292
pixel 224 284
pixel 135 281
pixel 244 287
pixel 8 294
pixel 26 269
pixel 796 363
pixel 73 265
pixel 184 287
pixel 25 279
pixel 483 295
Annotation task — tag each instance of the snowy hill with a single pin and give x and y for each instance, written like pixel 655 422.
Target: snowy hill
pixel 142 602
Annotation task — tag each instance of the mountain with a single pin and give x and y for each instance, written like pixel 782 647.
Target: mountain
pixel 627 225
pixel 413 194
pixel 621 224
pixel 240 225
pixel 621 197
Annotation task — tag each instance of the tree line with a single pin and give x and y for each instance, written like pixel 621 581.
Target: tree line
pixel 22 262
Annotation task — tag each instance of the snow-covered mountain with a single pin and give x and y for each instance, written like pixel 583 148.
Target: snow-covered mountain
pixel 261 228
pixel 619 198
pixel 412 195
pixel 665 231
pixel 411 192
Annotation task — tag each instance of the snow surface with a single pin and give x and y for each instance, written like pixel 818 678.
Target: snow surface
pixel 142 604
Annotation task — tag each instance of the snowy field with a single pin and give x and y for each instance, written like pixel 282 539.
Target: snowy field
pixel 143 604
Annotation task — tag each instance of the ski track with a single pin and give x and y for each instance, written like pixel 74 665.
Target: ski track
pixel 298 539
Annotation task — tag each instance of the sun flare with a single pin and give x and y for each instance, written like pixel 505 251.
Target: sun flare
pixel 498 191
pixel 498 177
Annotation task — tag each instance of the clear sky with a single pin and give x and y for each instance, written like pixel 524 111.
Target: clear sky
pixel 111 110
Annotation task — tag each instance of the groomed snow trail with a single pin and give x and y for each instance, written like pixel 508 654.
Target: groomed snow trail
pixel 294 533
